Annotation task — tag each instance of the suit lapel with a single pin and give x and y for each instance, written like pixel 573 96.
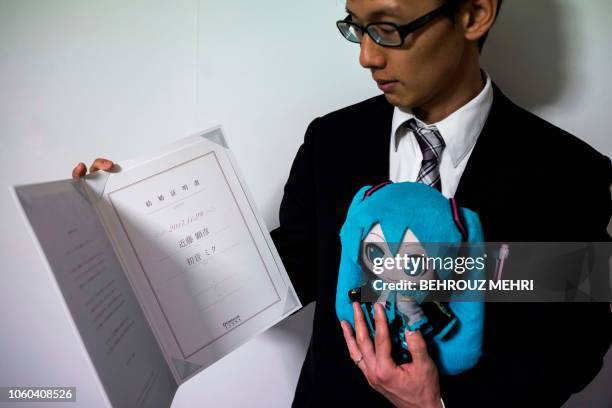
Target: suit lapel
pixel 376 135
pixel 491 173
pixel 486 163
pixel 357 154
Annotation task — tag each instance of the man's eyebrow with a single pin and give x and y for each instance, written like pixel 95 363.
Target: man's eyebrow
pixel 378 14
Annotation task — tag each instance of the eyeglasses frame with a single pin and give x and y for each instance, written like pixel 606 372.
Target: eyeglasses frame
pixel 403 30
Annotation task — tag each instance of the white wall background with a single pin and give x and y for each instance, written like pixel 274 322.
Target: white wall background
pixel 80 79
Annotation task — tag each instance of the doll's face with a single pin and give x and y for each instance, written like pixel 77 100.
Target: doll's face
pixel 405 265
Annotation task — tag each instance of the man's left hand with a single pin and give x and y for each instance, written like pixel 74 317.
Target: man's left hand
pixel 408 385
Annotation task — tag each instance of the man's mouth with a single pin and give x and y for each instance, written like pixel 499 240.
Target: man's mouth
pixel 385 85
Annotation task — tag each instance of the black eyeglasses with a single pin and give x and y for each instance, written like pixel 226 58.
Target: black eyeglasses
pixel 387 34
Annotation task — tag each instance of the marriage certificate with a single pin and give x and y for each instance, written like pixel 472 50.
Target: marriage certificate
pixel 165 266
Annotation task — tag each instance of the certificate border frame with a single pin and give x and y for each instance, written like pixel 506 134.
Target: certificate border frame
pixel 278 297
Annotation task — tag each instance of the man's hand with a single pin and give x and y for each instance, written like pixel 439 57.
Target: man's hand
pixel 409 385
pixel 99 164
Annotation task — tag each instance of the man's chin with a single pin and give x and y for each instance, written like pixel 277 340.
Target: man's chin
pixel 398 101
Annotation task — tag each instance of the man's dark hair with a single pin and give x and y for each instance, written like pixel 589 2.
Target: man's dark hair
pixel 456 4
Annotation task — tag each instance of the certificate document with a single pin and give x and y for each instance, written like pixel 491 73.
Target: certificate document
pixel 165 266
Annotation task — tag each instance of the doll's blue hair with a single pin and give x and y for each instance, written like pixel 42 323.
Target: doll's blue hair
pixel 433 219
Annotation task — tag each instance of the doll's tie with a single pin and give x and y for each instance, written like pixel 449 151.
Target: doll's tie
pixel 431 144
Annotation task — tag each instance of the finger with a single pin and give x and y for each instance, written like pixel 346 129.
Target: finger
pixel 362 335
pixel 79 170
pixel 351 343
pixel 382 340
pixel 417 347
pixel 100 164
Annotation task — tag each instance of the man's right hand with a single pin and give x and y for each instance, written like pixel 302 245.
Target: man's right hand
pixel 80 170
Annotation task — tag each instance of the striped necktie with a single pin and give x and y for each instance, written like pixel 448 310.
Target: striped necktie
pixel 431 144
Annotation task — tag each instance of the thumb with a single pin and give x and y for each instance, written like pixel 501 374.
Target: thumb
pixel 417 346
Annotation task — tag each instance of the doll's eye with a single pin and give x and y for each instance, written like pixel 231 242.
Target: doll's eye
pixel 373 252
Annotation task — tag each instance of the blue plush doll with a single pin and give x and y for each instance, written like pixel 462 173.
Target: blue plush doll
pixel 396 220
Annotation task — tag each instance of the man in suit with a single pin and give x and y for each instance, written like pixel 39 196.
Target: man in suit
pixel 527 180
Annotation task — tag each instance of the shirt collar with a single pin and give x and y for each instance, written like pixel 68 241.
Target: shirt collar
pixel 460 129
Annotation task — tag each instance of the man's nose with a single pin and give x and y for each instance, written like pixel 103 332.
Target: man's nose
pixel 371 55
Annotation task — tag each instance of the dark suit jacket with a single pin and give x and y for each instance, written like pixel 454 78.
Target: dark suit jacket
pixel 527 179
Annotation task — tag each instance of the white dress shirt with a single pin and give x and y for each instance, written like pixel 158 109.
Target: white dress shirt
pixel 460 130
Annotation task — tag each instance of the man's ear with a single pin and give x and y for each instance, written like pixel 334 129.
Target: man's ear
pixel 477 18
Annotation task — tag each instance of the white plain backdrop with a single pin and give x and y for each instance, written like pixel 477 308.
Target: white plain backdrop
pixel 81 79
